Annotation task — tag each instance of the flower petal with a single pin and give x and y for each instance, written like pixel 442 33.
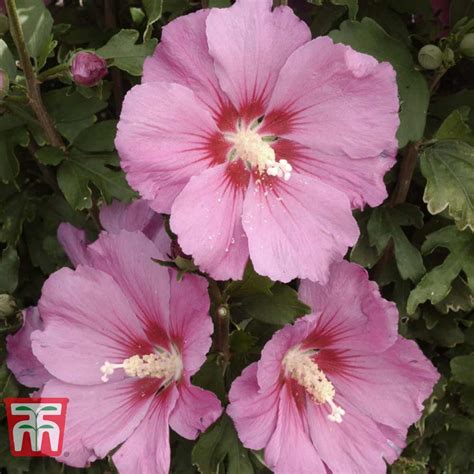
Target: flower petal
pixel 99 417
pixel 190 324
pixel 182 56
pixel 290 448
pixel 296 229
pixel 352 315
pixel 164 137
pixel 196 409
pixel 147 450
pixel 250 43
pixel 354 445
pixel 27 368
pixel 336 101
pixel 127 257
pixel 253 411
pixel 85 314
pixel 206 217
pixel 74 243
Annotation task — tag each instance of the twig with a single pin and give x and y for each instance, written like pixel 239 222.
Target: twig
pixel 53 72
pixel 32 85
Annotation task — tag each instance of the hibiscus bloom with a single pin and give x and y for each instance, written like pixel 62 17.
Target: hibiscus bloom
pixel 336 391
pixel 258 140
pixel 121 338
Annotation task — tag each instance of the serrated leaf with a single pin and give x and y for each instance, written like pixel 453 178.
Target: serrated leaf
pixel 36 23
pixel 449 171
pixel 352 6
pixel 79 171
pixel 436 284
pixel 251 284
pixel 281 307
pixel 122 52
pixel 153 10
pixel 49 155
pixel 368 37
pixel 462 368
pixel 363 252
pixel 460 298
pixel 99 137
pixel 9 265
pixel 7 61
pixel 385 225
pixel 219 442
pixel 455 127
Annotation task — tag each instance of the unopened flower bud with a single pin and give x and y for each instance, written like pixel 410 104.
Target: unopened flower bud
pixel 88 68
pixel 4 83
pixel 7 306
pixel 430 57
pixel 467 46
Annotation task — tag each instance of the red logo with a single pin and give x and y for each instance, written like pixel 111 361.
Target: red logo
pixel 36 425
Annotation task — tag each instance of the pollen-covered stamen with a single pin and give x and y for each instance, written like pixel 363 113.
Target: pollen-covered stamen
pixel 256 152
pixel 301 367
pixel 161 364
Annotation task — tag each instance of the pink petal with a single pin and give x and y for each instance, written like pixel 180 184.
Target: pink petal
pixel 147 450
pixel 87 321
pixel 390 387
pixel 361 180
pixel 250 43
pixel 196 409
pixel 74 243
pixel 352 315
pixel 164 137
pixel 253 411
pixel 296 229
pixel 182 57
pixel 206 217
pixel 27 368
pixel 354 445
pixel 127 257
pixel 336 101
pixel 99 417
pixel 190 325
pixel 290 449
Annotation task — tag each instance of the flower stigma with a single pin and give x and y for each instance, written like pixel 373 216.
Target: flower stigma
pixel 161 364
pixel 301 367
pixel 256 152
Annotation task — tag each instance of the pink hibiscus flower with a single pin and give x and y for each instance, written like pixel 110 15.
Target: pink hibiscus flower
pixel 258 140
pixel 120 338
pixel 336 391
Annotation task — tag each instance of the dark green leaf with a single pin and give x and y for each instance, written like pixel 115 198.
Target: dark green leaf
pixel 49 155
pixel 352 6
pixel 100 137
pixel 154 10
pixel 9 265
pixel 455 127
pixel 251 284
pixel 462 368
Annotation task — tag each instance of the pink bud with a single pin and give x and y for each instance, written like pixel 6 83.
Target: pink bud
pixel 88 69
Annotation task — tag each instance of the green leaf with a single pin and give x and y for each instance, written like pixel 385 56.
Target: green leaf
pixel 100 137
pixel 210 377
pixel 462 368
pixel 449 171
pixel 352 6
pixel 48 155
pixel 368 37
pixel 251 284
pixel 45 427
pixel 36 23
pixel 9 265
pixel 26 427
pixel 385 225
pixel 123 53
pixel 281 307
pixel 7 61
pixel 455 127
pixel 71 111
pixel 219 442
pixel 363 252
pixel 436 284
pixel 79 171
pixel 9 166
pixel 153 10
pixel 219 3
pixel 13 213
pixel 460 298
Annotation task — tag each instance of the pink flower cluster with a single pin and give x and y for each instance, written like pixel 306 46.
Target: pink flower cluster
pixel 259 142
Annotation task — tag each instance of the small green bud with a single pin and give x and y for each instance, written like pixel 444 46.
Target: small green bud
pixel 467 46
pixel 430 57
pixel 448 57
pixel 7 306
pixel 4 83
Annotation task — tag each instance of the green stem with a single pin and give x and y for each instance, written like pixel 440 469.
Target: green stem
pixel 32 85
pixel 222 322
pixel 53 72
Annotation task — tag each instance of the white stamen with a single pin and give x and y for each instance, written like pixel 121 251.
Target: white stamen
pixel 161 364
pixel 300 366
pixel 255 150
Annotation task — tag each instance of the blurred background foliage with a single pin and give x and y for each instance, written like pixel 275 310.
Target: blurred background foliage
pixel 419 245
